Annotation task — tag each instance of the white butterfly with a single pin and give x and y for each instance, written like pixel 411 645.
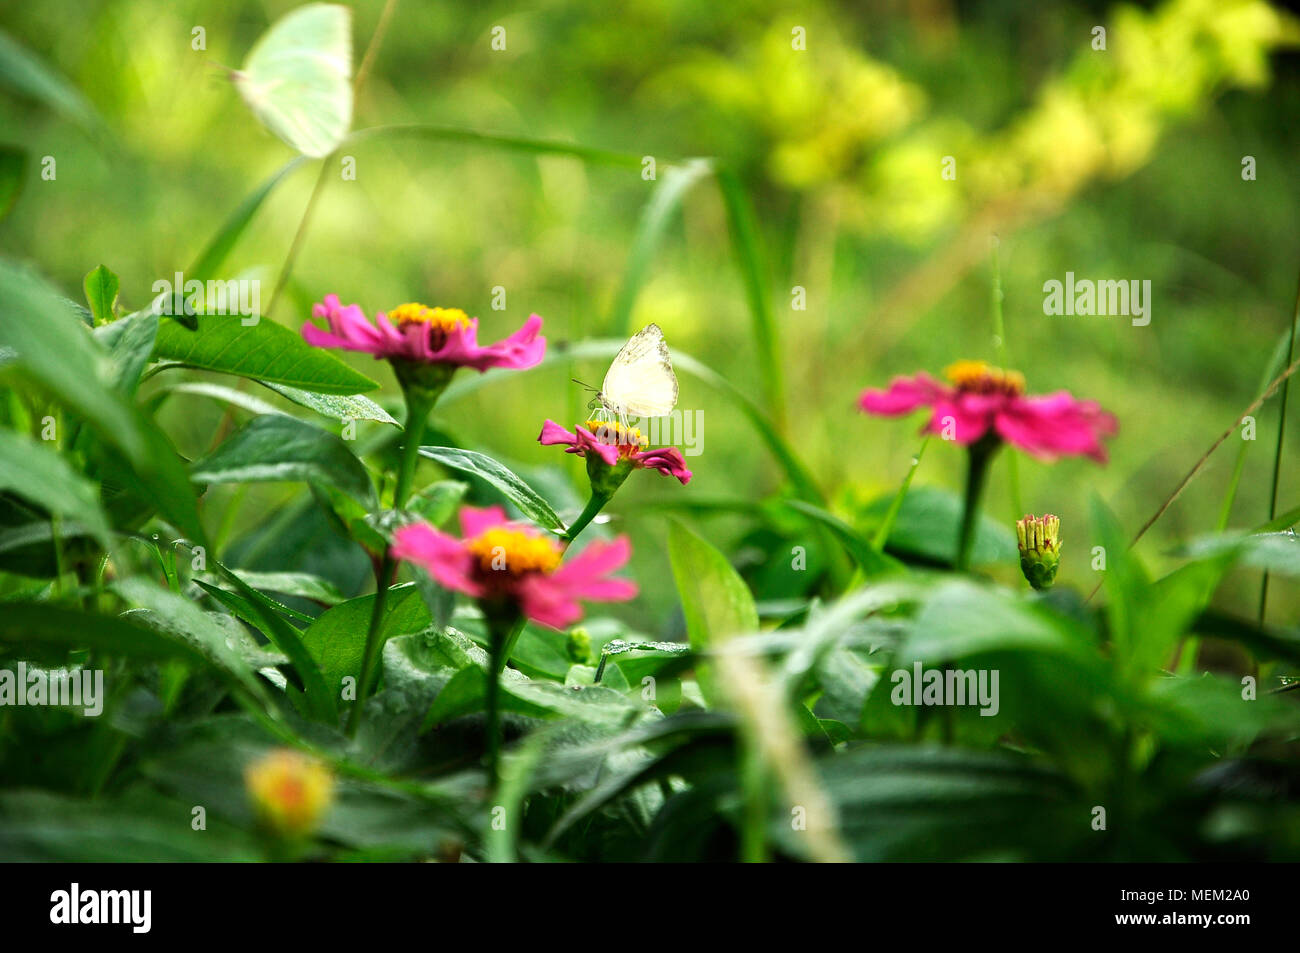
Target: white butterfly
pixel 640 382
pixel 297 78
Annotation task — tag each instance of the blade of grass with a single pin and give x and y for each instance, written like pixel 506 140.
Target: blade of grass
pixel 1277 450
pixel 665 201
pixel 747 244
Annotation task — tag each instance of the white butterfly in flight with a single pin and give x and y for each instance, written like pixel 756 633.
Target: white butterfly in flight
pixel 640 382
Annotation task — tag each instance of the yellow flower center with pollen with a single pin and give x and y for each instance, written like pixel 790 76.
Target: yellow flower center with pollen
pixel 501 549
pixel 443 319
pixel 613 432
pixel 983 378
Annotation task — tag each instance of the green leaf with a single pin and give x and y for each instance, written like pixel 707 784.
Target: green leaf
pixel 337 639
pixel 926 527
pixel 515 490
pixel 715 600
pixel 13 165
pixel 871 562
pixel 54 348
pixel 338 406
pixel 33 470
pixel 22 71
pixel 264 351
pixel 301 584
pixel 131 342
pixel 297 78
pixel 210 260
pixel 277 448
pixel 746 242
pixel 180 616
pixel 101 287
pixel 262 613
pixel 665 201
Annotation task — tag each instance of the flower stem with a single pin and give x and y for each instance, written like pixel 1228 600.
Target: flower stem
pixel 979 455
pixel 594 506
pixel 417 414
pixel 501 633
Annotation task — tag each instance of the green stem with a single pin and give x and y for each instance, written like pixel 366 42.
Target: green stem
pixel 594 506
pixel 980 454
pixel 417 413
pixel 501 633
pixel 1277 452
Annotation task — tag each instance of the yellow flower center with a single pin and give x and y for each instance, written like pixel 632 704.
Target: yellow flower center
pixel 501 549
pixel 290 790
pixel 981 377
pixel 443 319
pixel 613 432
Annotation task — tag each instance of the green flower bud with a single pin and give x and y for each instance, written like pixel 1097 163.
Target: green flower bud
pixel 578 646
pixel 1039 538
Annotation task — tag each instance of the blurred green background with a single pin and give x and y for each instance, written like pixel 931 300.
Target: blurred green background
pixel 1124 163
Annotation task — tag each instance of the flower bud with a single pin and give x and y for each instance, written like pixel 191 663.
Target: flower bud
pixel 290 791
pixel 1039 538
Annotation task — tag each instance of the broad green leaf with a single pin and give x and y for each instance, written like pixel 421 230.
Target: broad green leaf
pixel 13 165
pixel 1277 552
pixel 337 639
pixel 175 614
pixel 101 287
pixel 130 343
pixel 264 351
pixel 301 584
pixel 515 490
pixel 139 826
pixel 34 470
pixel 277 448
pixel 715 600
pixel 927 523
pixel 250 402
pixel 338 406
pixel 297 78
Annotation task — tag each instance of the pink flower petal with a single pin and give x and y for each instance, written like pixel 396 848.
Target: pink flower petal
pixel 443 557
pixel 474 521
pixel 667 460
pixel 905 394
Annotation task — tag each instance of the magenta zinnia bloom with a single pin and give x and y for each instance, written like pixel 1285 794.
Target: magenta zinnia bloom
pixel 986 400
pixel 612 442
pixel 423 335
pixel 497 561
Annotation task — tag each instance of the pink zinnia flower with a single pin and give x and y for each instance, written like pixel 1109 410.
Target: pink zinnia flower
pixel 423 335
pixel 613 442
pixel 986 400
pixel 498 561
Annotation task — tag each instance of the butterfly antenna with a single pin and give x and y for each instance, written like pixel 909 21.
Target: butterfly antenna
pixel 581 384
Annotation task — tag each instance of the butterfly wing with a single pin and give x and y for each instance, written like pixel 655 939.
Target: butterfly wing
pixel 641 382
pixel 297 78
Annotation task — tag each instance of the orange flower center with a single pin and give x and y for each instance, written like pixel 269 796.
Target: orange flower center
pixel 979 377
pixel 501 549
pixel 441 319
